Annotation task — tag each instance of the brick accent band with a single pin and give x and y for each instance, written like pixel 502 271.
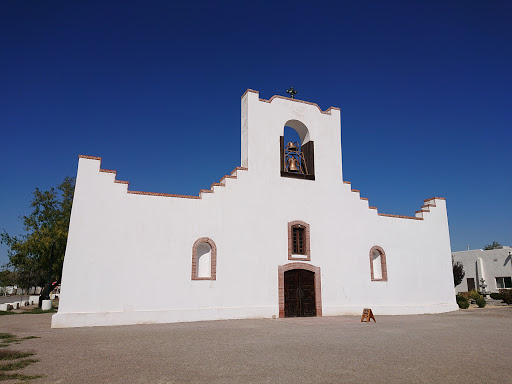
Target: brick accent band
pixel 108 171
pixel 221 183
pixel 326 112
pixel 89 157
pixel 435 198
pixel 400 216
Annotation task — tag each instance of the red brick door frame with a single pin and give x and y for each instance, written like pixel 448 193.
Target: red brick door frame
pixel 318 287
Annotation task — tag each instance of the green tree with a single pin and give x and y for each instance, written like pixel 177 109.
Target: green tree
pixel 458 272
pixel 7 278
pixel 29 254
pixel 493 245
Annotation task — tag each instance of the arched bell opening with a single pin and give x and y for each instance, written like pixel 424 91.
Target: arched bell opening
pixel 297 151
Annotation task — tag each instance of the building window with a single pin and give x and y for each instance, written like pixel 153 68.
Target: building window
pixel 378 267
pixel 504 282
pixel 298 241
pixel 204 259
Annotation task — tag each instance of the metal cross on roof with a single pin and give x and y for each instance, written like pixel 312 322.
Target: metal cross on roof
pixel 292 92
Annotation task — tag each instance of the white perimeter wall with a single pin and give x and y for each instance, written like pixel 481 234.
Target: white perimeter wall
pixel 129 256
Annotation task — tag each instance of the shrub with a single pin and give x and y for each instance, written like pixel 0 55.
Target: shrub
pixel 480 302
pixel 474 295
pixel 506 295
pixel 462 302
pixel 496 296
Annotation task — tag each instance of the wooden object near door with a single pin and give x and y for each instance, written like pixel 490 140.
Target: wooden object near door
pixel 367 315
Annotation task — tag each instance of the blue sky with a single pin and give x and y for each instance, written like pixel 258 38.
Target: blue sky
pixel 154 88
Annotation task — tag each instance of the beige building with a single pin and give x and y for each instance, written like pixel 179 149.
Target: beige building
pixel 494 266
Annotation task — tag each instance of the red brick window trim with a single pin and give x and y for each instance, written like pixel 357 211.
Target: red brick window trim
pixel 299 247
pixel 318 286
pixel 213 259
pixel 375 253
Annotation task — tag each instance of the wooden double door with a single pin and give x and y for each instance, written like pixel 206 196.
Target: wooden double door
pixel 299 293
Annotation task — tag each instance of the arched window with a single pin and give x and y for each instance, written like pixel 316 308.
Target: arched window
pixel 298 241
pixel 378 264
pixel 204 259
pixel 297 152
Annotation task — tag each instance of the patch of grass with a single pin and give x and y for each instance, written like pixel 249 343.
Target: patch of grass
pixel 17 376
pixel 20 364
pixel 35 311
pixel 8 338
pixel 16 359
pixel 13 355
pixel 2 313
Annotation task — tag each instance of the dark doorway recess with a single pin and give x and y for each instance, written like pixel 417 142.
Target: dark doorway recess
pixel 299 293
pixel 471 283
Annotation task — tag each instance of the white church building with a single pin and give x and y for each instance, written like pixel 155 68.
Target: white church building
pixel 282 235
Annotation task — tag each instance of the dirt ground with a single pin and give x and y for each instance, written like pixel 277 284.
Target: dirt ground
pixel 470 346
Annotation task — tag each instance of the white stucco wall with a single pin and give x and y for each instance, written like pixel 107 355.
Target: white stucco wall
pixel 118 239
pixel 489 264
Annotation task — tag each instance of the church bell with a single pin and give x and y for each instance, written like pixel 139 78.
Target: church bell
pixel 293 165
pixel 291 146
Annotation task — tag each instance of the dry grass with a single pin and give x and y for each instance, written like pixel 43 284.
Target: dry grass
pixel 13 355
pixel 15 360
pixel 31 311
pixel 20 364
pixel 7 339
pixel 17 376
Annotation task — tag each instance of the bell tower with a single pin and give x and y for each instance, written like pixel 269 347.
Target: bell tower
pixel 315 156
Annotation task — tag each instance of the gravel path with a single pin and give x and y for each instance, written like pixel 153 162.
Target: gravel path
pixel 470 346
